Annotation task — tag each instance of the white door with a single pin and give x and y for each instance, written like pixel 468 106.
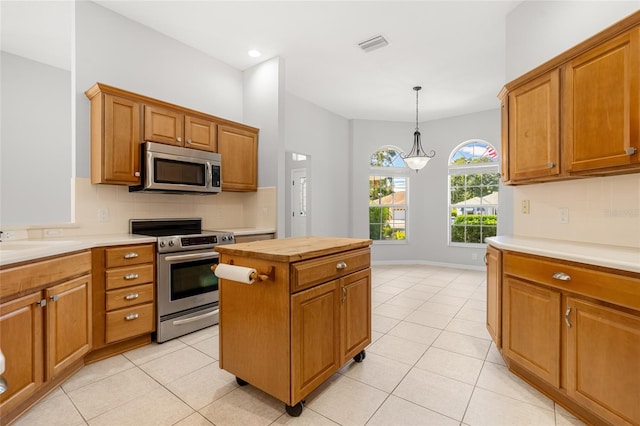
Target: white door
pixel 299 195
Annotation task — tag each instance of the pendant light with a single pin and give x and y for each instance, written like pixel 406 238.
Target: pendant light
pixel 417 158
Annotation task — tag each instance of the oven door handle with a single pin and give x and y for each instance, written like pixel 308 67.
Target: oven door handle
pixel 196 318
pixel 196 256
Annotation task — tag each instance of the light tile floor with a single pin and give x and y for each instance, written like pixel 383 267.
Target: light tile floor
pixel 431 362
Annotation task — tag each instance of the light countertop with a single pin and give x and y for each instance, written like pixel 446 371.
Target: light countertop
pixel 14 251
pixel 249 231
pixel 616 257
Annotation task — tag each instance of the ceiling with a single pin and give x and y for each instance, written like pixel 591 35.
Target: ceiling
pixel 454 49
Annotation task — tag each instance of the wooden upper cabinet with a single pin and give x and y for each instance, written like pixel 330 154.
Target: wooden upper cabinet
pixel 239 151
pixel 200 134
pixel 115 142
pixel 601 106
pixel 163 125
pixel 534 128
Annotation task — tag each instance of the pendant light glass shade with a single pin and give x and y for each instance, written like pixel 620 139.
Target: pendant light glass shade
pixel 417 158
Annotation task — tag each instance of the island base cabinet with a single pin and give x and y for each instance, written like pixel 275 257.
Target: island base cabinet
pixel 603 361
pixel 355 306
pixel 531 333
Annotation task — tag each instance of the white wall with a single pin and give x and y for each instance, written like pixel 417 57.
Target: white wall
pixel 35 144
pixel 324 136
pixel 601 209
pixel 117 51
pixel 539 30
pixel 428 218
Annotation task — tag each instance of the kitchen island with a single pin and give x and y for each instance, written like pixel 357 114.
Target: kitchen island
pixel 306 315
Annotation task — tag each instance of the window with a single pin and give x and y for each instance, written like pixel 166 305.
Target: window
pixel 388 182
pixel 473 193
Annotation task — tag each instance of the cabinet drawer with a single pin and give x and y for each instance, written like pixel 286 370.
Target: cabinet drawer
pixel 129 322
pixel 623 290
pixel 129 296
pixel 311 272
pixel 129 255
pixel 128 276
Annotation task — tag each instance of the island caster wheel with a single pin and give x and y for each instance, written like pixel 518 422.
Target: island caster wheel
pixel 360 356
pixel 241 382
pixel 294 410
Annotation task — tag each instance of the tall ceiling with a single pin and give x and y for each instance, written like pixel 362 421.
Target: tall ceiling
pixel 455 50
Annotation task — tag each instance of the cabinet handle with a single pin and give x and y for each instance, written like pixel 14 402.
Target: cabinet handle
pixel 42 303
pixel 131 317
pixel 630 150
pixel 566 317
pixel 131 255
pixel 189 141
pixel 54 298
pixel 179 139
pixel 131 296
pixel 561 276
pixel 136 174
pixel 341 265
pixel 551 165
pixel 131 276
pixel 485 259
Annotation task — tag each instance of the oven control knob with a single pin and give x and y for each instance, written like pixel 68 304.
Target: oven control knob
pixel 230 237
pixel 171 243
pixel 162 244
pixel 224 238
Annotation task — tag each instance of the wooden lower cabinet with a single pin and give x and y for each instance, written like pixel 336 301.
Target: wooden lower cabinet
pixel 355 313
pixel 493 260
pixel 573 331
pixel 44 334
pixel 531 333
pixel 603 360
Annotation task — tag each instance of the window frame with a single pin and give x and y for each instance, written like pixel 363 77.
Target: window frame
pixel 393 172
pixel 469 169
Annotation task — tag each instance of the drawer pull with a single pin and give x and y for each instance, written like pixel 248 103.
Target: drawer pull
pixel 341 265
pixel 131 296
pixel 561 276
pixel 566 317
pixel 131 317
pixel 630 150
pixel 54 298
pixel 131 255
pixel 131 276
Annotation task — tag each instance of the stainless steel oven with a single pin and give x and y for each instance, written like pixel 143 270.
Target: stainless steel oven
pixel 187 289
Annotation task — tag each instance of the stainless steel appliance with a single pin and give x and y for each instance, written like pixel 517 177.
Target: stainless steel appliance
pixel 187 289
pixel 168 168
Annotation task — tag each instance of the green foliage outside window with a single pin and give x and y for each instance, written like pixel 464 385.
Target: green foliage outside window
pixel 473 228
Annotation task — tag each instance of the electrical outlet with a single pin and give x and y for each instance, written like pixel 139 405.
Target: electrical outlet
pixel 474 256
pixel 525 207
pixel 54 232
pixel 219 213
pixel 564 215
pixel 103 214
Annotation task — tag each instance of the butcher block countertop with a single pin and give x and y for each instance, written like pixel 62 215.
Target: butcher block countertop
pixel 293 249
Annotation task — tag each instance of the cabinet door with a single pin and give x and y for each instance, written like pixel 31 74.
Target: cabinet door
pixel 68 323
pixel 118 160
pixel 239 151
pixel 21 342
pixel 531 328
pixel 534 128
pixel 163 125
pixel 200 134
pixel 355 307
pixel 493 260
pixel 315 338
pixel 601 105
pixel 504 137
pixel 603 361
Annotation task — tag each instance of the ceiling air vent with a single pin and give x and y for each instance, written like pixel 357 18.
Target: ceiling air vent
pixel 373 43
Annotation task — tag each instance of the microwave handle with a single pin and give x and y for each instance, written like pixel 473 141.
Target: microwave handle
pixel 209 183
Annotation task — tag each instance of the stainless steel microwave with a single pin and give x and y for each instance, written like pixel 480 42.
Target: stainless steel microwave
pixel 174 169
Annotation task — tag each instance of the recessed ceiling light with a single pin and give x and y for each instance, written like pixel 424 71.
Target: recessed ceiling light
pixel 254 53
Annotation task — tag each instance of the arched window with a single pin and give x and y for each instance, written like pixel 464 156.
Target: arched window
pixel 473 192
pixel 388 184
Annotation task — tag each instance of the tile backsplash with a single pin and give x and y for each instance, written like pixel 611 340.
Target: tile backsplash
pixel 601 210
pixel 106 209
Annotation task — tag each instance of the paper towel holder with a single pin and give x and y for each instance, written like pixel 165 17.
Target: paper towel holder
pixel 269 275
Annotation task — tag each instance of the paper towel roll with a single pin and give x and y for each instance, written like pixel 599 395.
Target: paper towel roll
pixel 240 274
